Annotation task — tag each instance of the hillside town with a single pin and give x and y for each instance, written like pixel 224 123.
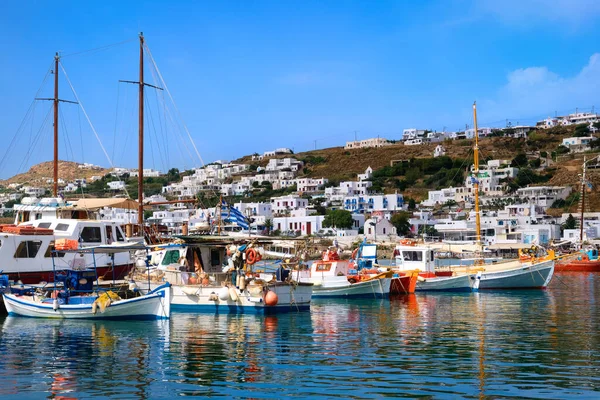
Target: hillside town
pixel 276 197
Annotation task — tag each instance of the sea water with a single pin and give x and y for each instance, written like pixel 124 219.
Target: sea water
pixel 521 344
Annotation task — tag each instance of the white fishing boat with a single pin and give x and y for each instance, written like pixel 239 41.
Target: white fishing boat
pixel 201 283
pixel 333 277
pixel 74 295
pixel 409 256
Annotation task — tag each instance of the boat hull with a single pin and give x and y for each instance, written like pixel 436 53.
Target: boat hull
pixel 374 288
pixel 528 276
pixel 204 299
pixel 458 283
pixel 578 266
pixel 155 305
pixel 404 284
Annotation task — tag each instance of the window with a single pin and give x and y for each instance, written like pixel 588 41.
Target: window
pixel 61 227
pixel 119 235
pixel 48 252
pixel 44 225
pixel 28 249
pixel 171 257
pixel 323 267
pixel 91 234
pixel 215 257
pixel 412 256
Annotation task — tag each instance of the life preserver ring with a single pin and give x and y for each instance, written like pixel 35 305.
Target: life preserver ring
pixel 252 256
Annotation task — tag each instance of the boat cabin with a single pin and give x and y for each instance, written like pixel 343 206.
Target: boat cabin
pixel 408 258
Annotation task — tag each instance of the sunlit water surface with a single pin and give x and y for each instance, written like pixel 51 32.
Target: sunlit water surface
pixel 526 344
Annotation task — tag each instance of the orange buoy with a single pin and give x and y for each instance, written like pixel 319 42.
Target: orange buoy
pixel 271 298
pixel 192 280
pixel 252 256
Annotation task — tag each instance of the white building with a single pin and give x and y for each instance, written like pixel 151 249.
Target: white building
pixel 116 185
pixel 489 179
pixel 279 151
pixel 367 175
pixel 285 204
pixel 373 203
pixel 278 164
pixel 578 144
pixel 439 151
pixel 33 191
pixel 544 196
pixel 435 197
pixel 412 133
pixel 373 142
pixel 310 185
pixel 148 173
pixel 483 132
pixel 379 229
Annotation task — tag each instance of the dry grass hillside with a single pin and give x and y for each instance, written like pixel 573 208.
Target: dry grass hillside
pixel 39 174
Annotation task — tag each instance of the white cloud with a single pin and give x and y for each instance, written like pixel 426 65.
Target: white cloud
pixel 519 11
pixel 536 91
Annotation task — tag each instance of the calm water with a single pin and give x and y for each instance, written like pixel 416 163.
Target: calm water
pixel 526 344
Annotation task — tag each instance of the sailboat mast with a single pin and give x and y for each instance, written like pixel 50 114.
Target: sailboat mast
pixel 582 202
pixel 141 137
pixel 55 165
pixel 476 182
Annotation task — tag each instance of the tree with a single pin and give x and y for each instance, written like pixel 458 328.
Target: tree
pixel 412 205
pixel 268 225
pixel 173 175
pixel 401 222
pixel 338 219
pixel 570 223
pixel 520 160
pixel 582 130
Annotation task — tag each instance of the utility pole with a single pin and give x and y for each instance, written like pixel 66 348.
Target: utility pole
pixel 355 139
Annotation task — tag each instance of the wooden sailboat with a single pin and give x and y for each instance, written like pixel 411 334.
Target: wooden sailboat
pixel 535 272
pixel 586 259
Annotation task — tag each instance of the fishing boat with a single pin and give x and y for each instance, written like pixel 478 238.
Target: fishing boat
pixel 75 294
pixel 364 259
pixel 214 275
pixel 586 259
pixel 333 277
pixel 409 257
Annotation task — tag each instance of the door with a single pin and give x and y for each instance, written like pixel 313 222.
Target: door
pixel 308 228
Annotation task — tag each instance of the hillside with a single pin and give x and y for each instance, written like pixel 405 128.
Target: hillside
pixel 40 173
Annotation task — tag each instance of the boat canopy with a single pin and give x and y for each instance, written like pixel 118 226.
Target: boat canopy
pixel 96 204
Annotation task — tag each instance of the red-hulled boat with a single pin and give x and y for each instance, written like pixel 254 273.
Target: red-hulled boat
pixel 404 283
pixel 584 261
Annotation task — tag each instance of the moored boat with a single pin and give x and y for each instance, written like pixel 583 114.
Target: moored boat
pixel 73 296
pixel 333 277
pixel 201 284
pixel 583 261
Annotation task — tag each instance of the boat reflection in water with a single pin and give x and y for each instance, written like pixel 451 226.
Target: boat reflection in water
pixel 530 343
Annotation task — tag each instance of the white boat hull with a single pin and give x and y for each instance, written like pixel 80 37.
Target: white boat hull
pixel 373 288
pixel 155 305
pixel 205 299
pixel 458 283
pixel 525 277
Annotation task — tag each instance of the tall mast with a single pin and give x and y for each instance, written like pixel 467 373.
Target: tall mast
pixel 476 182
pixel 55 190
pixel 582 202
pixel 141 136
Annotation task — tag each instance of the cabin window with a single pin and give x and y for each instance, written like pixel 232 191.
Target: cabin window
pixel 412 256
pixel 38 216
pixel 215 257
pixel 171 257
pixel 119 234
pixel 61 227
pixel 44 225
pixel 323 267
pixel 48 252
pixel 28 249
pixel 91 234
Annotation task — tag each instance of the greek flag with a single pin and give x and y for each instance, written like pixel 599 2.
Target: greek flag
pixel 231 214
pixel 474 180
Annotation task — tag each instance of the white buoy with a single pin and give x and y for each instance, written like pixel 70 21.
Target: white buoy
pixel 55 304
pixel 224 293
pixel 232 294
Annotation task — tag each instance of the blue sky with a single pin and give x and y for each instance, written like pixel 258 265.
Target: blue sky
pixel 253 75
